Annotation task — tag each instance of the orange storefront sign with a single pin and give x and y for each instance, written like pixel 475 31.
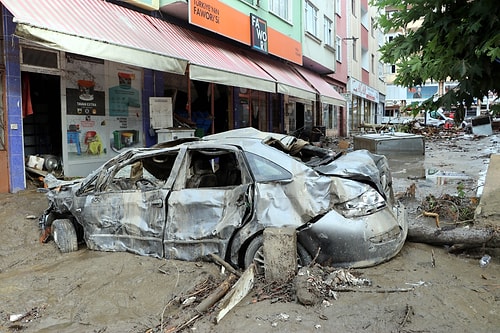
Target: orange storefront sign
pixel 226 21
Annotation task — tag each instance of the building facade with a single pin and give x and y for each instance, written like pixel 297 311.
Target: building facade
pixel 106 76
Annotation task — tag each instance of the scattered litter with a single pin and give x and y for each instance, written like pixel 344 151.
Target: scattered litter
pixel 189 301
pixel 417 284
pixel 283 316
pixel 30 217
pixel 485 260
pixel 16 317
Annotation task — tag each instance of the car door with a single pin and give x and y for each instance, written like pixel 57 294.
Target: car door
pixel 206 206
pixel 127 213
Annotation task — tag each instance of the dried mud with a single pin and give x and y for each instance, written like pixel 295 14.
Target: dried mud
pixel 423 289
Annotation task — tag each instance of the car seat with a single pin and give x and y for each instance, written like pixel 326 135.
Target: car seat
pixel 228 173
pixel 203 175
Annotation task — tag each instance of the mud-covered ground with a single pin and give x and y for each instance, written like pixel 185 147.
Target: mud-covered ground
pixel 423 289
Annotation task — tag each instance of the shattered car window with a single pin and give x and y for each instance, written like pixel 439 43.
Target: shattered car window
pixel 213 169
pixel 143 174
pixel 265 170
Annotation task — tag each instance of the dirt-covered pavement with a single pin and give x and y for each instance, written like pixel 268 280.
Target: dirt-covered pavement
pixel 424 289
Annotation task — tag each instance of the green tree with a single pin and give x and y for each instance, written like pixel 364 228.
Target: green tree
pixel 457 40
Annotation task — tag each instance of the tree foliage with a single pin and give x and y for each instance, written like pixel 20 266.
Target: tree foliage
pixel 457 40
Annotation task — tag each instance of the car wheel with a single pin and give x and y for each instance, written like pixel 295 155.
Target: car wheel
pixel 64 234
pixel 255 254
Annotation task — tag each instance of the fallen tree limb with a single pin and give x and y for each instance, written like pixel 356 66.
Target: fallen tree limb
pixel 470 237
pixel 191 315
pixel 436 215
pixel 217 294
pixel 224 263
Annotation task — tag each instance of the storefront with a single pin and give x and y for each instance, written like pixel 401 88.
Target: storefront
pixel 364 105
pixel 89 85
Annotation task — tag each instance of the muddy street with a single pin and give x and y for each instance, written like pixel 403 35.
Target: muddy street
pixel 423 289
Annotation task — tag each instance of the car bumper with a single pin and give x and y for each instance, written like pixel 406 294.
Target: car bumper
pixel 361 242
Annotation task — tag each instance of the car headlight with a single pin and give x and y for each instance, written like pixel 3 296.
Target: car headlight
pixel 367 203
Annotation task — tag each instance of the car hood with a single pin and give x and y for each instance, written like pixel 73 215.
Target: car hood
pixel 362 166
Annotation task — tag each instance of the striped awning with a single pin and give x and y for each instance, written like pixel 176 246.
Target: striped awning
pixel 327 94
pixel 288 81
pixel 104 30
pixel 97 29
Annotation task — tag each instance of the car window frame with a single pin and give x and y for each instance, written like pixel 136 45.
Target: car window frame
pixel 257 173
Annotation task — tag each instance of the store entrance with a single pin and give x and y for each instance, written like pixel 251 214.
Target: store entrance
pixel 42 118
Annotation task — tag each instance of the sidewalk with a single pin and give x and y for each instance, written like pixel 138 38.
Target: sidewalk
pixel 488 210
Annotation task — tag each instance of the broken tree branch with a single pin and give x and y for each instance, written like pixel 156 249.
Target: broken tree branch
pixel 471 237
pixel 218 293
pixel 189 316
pixel 436 215
pixel 224 263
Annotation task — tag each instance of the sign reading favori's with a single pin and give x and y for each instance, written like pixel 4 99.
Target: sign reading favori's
pixel 258 33
pixel 226 21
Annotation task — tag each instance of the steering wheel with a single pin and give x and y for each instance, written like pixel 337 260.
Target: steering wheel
pixel 143 183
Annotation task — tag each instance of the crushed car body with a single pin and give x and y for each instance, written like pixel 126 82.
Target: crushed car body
pixel 188 199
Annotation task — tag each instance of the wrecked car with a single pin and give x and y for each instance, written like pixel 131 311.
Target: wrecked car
pixel 188 199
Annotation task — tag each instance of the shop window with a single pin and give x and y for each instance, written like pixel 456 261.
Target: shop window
pixel 39 58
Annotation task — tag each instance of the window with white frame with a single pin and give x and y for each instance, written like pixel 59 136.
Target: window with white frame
pixel 364 17
pixel 328 26
pixel 338 7
pixel 391 68
pixel 338 48
pixel 365 60
pixel 311 19
pixel 381 75
pixel 282 8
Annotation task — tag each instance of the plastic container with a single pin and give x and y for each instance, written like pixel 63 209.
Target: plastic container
pixel 485 260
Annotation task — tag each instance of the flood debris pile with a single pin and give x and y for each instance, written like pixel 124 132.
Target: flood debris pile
pixel 453 224
pixel 315 284
pixel 453 209
pixel 215 296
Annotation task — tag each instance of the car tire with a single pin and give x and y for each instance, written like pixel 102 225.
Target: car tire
pixel 255 254
pixel 64 234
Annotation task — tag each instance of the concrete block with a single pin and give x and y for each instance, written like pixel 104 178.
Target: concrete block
pixel 280 253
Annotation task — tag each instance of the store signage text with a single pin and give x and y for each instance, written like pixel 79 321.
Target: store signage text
pixel 206 11
pixel 258 30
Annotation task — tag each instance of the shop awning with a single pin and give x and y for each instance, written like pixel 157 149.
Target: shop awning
pixel 288 81
pixel 107 31
pixel 104 30
pixel 97 29
pixel 211 60
pixel 326 92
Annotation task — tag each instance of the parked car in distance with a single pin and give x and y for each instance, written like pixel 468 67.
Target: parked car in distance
pixel 190 198
pixel 437 118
